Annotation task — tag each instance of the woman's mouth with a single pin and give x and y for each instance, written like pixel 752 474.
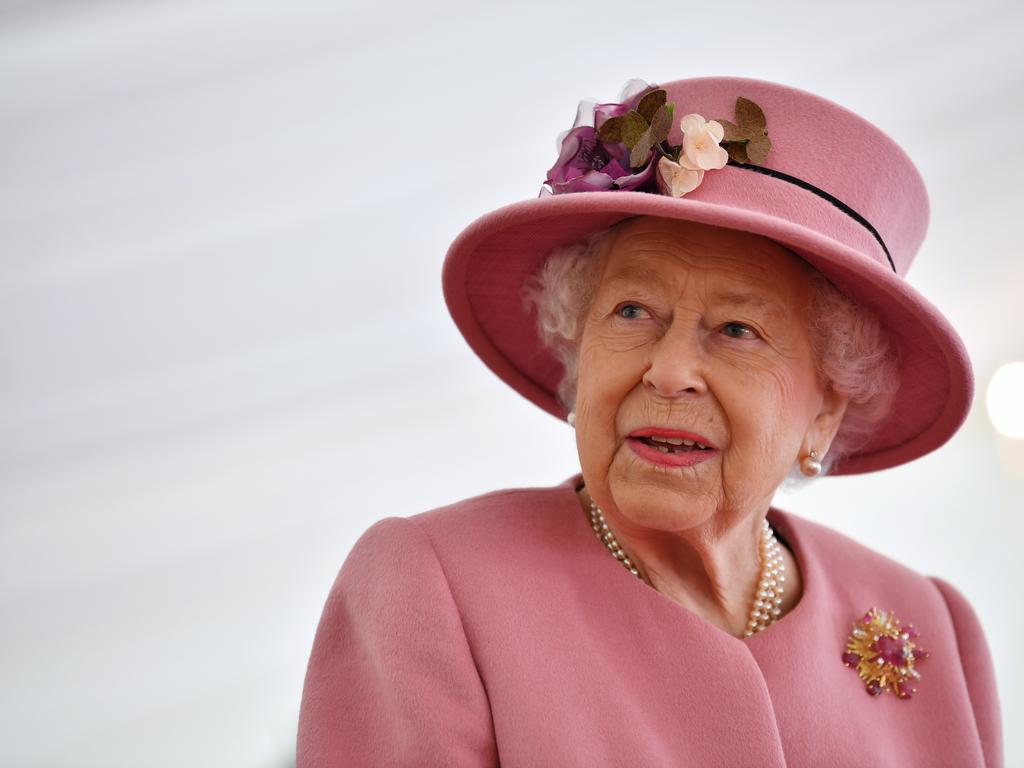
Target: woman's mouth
pixel 670 451
pixel 672 444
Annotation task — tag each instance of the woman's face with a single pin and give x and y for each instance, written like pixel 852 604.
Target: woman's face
pixel 696 333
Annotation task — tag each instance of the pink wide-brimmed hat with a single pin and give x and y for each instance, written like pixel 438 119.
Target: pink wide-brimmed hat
pixel 801 170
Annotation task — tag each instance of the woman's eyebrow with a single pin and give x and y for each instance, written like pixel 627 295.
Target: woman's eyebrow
pixel 637 275
pixel 745 299
pixel 742 297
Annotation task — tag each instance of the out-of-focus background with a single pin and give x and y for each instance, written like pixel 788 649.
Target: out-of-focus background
pixel 224 352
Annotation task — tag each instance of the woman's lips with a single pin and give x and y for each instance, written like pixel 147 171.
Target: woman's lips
pixel 682 458
pixel 673 433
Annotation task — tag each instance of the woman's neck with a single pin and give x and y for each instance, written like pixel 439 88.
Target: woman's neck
pixel 711 571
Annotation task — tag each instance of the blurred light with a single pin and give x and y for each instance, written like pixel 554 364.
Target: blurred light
pixel 1006 400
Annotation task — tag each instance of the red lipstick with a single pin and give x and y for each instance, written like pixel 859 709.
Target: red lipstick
pixel 674 433
pixel 670 447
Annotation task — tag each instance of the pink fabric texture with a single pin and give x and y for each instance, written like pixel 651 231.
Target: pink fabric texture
pixel 814 140
pixel 499 631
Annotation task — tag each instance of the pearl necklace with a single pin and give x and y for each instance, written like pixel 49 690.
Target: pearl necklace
pixel 767 605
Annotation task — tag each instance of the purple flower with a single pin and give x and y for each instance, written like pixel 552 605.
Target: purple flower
pixel 587 164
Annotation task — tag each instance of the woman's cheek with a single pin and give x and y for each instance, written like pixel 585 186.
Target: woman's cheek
pixel 748 357
pixel 752 406
pixel 624 339
pixel 611 364
pixel 768 423
pixel 595 442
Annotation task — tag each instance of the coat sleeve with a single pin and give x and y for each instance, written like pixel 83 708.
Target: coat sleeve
pixel 391 679
pixel 976 661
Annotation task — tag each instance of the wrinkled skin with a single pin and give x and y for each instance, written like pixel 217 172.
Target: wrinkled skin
pixel 668 341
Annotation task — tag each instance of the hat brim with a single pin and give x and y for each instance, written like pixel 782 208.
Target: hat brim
pixel 487 264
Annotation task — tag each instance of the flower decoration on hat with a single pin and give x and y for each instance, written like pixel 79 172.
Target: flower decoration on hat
pixel 746 140
pixel 624 145
pixel 700 152
pixel 884 653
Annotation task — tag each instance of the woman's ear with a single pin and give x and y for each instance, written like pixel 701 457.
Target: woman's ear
pixel 825 424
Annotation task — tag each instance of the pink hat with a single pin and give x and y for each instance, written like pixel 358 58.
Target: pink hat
pixel 803 171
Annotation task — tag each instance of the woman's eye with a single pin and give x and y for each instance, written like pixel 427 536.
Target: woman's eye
pixel 738 331
pixel 631 311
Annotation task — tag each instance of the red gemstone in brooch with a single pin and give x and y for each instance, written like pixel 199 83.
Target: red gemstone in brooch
pixel 884 652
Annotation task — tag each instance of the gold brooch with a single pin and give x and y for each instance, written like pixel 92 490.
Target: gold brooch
pixel 885 654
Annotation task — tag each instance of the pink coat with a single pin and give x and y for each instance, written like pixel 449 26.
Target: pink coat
pixel 499 630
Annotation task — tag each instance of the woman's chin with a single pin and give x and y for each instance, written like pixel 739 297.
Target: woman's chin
pixel 652 492
pixel 661 508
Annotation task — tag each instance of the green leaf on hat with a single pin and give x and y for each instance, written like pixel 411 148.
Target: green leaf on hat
pixel 639 155
pixel 737 151
pixel 651 103
pixel 732 131
pixel 611 130
pixel 640 129
pixel 749 114
pixel 653 136
pixel 661 124
pixel 757 148
pixel 747 140
pixel 634 125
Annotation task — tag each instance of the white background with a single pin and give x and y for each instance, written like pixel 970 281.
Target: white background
pixel 224 351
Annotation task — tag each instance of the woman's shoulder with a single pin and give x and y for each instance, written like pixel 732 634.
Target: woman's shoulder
pixel 846 575
pixel 499 509
pixel 837 551
pixel 848 567
pixel 487 526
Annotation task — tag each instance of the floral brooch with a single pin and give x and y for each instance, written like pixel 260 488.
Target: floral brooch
pixel 883 652
pixel 624 146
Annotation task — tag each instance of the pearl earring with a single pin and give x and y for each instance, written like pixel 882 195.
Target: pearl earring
pixel 810 465
pixel 571 418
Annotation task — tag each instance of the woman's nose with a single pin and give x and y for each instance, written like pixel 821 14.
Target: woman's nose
pixel 677 364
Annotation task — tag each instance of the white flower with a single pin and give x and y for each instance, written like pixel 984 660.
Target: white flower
pixel 700 152
pixel 700 143
pixel 676 179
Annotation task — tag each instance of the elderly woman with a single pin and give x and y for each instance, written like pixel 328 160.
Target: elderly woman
pixel 710 290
